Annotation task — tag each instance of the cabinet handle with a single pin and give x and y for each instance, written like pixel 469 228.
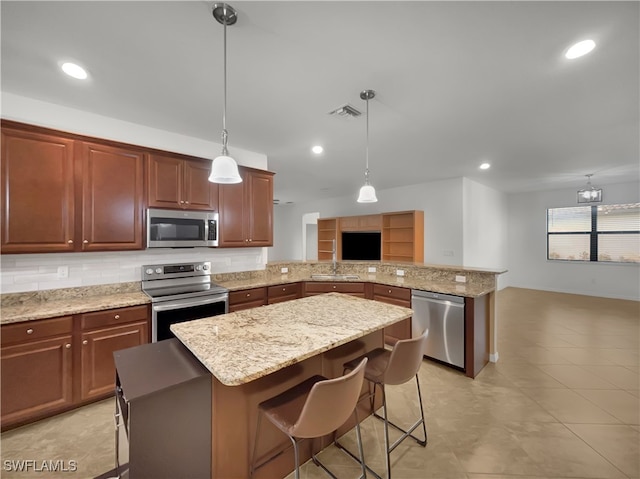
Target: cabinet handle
pixel 68 345
pixel 389 291
pixel 248 294
pixel 85 241
pixel 29 331
pixel 284 289
pixel 250 240
pixel 181 202
pixel 334 287
pixel 186 202
pixel 70 241
pixel 85 342
pixel 117 316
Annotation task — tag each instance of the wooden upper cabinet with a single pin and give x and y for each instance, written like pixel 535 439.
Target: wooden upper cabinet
pixel 180 183
pixel 112 197
pixel 37 192
pixel 246 210
pixel 403 236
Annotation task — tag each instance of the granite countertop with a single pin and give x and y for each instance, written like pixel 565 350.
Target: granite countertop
pixel 246 345
pixel 445 287
pixel 61 307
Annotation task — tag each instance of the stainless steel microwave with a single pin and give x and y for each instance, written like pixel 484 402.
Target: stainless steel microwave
pixel 181 229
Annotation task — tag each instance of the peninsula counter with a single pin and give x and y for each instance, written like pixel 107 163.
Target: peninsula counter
pixel 255 354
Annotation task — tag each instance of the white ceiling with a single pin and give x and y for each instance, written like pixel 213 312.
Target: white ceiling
pixel 457 83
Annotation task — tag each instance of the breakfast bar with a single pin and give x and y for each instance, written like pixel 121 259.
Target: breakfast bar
pixel 255 354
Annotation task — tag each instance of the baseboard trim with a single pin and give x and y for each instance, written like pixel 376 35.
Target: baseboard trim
pixel 493 358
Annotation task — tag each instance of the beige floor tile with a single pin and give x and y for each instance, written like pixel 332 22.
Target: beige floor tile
pixel 618 403
pixel 568 406
pixel 574 376
pixel 623 357
pixel 633 392
pixel 540 355
pixel 620 376
pixel 558 452
pixel 617 443
pixel 525 375
pixel 586 356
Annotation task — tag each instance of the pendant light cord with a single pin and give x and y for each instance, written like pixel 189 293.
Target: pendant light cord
pixel 225 134
pixel 366 171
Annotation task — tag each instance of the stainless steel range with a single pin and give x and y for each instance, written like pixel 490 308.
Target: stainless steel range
pixel 181 292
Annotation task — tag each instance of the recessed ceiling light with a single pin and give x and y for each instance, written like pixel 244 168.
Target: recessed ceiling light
pixel 317 149
pixel 485 166
pixel 580 49
pixel 75 71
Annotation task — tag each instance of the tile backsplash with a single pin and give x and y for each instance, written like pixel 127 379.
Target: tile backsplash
pixel 34 272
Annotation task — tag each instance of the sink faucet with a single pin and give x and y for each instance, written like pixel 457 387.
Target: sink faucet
pixel 334 256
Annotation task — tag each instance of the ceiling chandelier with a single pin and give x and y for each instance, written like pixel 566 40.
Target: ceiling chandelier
pixel 224 169
pixel 589 194
pixel 367 192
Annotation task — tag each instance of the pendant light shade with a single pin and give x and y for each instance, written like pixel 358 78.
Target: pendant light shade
pixel 224 169
pixel 367 192
pixel 589 194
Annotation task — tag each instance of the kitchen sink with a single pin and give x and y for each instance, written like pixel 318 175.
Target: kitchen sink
pixel 334 277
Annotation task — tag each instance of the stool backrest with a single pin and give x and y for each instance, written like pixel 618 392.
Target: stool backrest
pixel 329 404
pixel 405 359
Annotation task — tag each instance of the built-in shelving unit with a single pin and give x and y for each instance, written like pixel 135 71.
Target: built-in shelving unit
pixel 403 236
pixel 327 234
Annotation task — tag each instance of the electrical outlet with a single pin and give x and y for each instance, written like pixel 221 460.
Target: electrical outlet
pixel 284 270
pixel 63 271
pixel 461 279
pixel 447 252
pixel 399 272
pixel 371 269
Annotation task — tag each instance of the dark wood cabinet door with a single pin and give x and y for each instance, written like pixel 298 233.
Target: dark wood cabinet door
pixel 36 379
pixel 260 186
pixel 200 193
pixel 164 182
pixel 112 198
pixel 233 212
pixel 397 296
pixel 98 372
pixel 37 193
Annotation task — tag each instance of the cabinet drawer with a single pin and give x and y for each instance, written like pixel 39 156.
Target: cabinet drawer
pixel 113 317
pixel 280 290
pixel 247 295
pixel 324 287
pixel 28 330
pixel 394 292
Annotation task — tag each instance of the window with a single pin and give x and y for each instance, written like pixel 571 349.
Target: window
pixel 605 233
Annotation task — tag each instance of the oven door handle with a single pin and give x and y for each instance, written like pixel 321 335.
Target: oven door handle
pixel 190 302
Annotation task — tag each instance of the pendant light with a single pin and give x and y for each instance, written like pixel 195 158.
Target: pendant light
pixel 224 169
pixel 367 192
pixel 589 194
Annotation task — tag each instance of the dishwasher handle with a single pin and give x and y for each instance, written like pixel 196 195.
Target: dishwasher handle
pixel 429 296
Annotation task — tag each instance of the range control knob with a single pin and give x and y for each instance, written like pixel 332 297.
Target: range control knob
pixel 149 271
pixel 198 267
pixel 158 270
pixel 205 267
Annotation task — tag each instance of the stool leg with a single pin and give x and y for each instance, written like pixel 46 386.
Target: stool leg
pixel 360 449
pixel 295 453
pixel 386 431
pixel 424 424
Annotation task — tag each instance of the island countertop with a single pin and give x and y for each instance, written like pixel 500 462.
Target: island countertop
pixel 246 345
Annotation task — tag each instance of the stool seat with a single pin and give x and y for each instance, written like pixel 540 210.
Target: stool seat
pixel 313 408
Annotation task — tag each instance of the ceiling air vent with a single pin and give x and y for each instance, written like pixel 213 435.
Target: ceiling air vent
pixel 347 111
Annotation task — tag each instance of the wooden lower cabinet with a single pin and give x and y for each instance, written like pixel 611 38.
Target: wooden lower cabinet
pixel 399 297
pixel 320 287
pixel 52 365
pixel 284 292
pixel 247 299
pixel 36 379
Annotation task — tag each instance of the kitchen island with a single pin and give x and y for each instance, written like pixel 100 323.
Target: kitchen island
pixel 255 354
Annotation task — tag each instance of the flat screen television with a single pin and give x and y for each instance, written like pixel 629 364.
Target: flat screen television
pixel 361 245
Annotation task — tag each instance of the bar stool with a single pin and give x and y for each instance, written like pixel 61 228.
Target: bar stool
pixel 393 367
pixel 314 408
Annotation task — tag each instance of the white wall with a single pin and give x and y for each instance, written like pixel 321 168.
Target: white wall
pixel 36 112
pixel 485 241
pixel 39 271
pixel 441 202
pixel 528 265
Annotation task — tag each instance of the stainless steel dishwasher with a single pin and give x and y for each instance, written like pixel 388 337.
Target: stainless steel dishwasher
pixel 443 314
